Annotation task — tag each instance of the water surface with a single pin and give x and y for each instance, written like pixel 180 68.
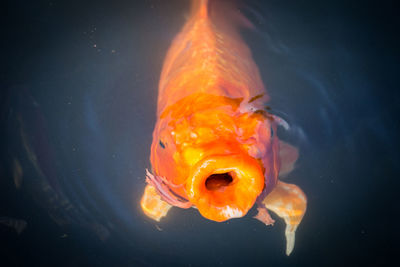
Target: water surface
pixel 79 92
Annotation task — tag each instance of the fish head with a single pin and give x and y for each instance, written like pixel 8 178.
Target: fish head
pixel 220 159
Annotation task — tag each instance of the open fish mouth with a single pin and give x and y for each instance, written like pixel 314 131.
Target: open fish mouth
pixel 223 187
pixel 219 181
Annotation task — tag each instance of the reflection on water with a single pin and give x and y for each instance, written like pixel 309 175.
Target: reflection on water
pixel 79 111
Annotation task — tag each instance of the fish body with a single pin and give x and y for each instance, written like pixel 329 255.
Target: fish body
pixel 214 145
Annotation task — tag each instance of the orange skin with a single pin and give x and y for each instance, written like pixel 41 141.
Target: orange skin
pixel 211 121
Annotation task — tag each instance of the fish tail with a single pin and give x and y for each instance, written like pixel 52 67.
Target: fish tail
pixel 200 8
pixel 225 14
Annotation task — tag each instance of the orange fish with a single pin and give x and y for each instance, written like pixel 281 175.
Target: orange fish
pixel 215 146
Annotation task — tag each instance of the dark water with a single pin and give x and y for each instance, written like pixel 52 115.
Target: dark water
pixel 79 87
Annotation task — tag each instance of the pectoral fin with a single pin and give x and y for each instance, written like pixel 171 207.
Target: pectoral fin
pixel 289 202
pixel 288 155
pixel 152 204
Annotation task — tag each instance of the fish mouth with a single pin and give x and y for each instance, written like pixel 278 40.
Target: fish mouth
pixel 219 181
pixel 223 187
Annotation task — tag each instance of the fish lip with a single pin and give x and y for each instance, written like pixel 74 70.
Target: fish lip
pixel 236 198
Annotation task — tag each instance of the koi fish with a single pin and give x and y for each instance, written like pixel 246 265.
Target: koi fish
pixel 214 145
pixel 18 225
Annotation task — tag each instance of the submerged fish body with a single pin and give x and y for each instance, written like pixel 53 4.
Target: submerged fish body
pixel 214 146
pixel 18 225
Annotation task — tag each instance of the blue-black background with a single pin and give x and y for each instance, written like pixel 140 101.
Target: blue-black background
pixel 78 99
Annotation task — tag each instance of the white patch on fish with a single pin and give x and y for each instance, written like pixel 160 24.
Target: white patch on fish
pixel 232 212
